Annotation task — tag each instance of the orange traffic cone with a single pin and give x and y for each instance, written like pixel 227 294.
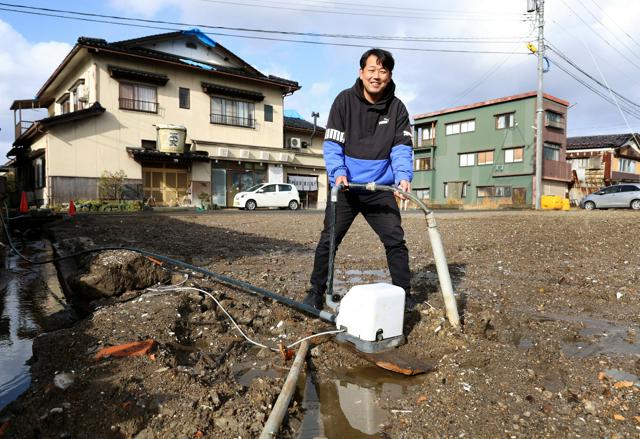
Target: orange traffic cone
pixel 24 207
pixel 72 208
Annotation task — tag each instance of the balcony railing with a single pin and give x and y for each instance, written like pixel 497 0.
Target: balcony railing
pixel 224 119
pixel 22 126
pixel 136 105
pixel 624 176
pixel 425 143
pixel 556 170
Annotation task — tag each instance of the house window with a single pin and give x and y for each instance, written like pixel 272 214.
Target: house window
pixel 232 112
pixel 446 190
pixel 493 191
pixel 467 159
pixel 38 173
pixel 458 188
pixel 429 132
pixel 268 113
pixel 513 155
pixel 423 164
pixel 485 158
pixel 64 103
pixel 553 119
pixel 138 97
pixel 423 194
pixel 626 165
pixel 551 151
pixel 465 126
pixel 507 120
pixel 184 97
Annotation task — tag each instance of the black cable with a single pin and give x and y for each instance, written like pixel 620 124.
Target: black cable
pixel 245 286
pixel 581 70
pixel 412 49
pixel 498 40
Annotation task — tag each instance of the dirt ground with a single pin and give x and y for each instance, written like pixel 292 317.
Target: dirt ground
pixel 549 346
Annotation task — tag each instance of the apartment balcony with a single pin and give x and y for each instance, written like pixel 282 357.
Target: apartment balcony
pixel 22 126
pixel 617 176
pixel 556 170
pixel 424 144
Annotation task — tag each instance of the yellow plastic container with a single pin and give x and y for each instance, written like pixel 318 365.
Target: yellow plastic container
pixel 551 202
pixel 566 204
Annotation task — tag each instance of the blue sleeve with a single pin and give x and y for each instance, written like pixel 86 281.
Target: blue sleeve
pixel 402 163
pixel 334 159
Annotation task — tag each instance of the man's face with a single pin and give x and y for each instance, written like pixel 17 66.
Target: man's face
pixel 375 78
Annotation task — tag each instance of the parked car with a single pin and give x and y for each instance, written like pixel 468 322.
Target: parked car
pixel 620 195
pixel 281 195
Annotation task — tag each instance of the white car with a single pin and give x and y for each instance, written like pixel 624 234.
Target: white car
pixel 268 195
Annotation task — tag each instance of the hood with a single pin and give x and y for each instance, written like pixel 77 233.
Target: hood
pixel 385 99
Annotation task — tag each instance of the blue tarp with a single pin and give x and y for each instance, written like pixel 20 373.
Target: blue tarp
pixel 201 36
pixel 197 64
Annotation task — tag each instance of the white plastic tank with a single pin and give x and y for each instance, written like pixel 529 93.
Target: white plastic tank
pixel 171 138
pixel 367 309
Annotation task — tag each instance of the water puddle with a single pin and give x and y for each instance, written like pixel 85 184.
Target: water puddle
pixel 621 375
pixel 18 327
pixel 351 404
pixel 599 337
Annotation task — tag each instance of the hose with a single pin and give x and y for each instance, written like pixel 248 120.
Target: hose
pixel 245 286
pixel 439 256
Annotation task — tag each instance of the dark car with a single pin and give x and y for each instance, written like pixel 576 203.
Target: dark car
pixel 625 195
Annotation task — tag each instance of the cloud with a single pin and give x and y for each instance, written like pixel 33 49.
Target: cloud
pixel 319 88
pixel 24 67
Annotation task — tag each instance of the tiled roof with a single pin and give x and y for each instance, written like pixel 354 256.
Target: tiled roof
pixel 490 102
pixel 300 124
pixel 602 141
pixel 126 48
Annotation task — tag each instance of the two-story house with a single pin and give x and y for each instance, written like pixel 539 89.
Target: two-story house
pixel 482 155
pixel 106 100
pixel 602 160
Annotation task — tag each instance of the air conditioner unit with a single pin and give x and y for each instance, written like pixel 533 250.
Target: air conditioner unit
pixel 264 155
pixel 295 143
pixel 83 94
pixel 243 154
pixel 223 152
pixel 499 168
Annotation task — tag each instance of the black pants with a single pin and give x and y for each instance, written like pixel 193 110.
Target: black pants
pixel 381 212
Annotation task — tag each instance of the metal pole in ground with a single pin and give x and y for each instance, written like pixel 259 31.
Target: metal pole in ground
pixel 272 426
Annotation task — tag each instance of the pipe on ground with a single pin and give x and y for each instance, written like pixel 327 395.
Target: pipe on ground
pixel 272 426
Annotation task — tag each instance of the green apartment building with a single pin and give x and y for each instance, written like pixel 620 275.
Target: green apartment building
pixel 482 155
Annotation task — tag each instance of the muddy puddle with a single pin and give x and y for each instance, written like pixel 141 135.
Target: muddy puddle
pixel 354 403
pixel 598 337
pixel 18 327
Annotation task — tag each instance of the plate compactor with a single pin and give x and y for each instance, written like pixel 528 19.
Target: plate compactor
pixel 372 315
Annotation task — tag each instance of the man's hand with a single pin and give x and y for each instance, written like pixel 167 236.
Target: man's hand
pixel 405 186
pixel 342 180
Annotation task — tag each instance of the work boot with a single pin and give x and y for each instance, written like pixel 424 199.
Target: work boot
pixel 409 301
pixel 314 298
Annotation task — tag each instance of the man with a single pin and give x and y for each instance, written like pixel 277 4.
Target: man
pixel 367 139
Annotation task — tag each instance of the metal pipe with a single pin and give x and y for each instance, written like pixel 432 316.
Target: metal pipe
pixel 444 277
pixel 332 240
pixel 272 426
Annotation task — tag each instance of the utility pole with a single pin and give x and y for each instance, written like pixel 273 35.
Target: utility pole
pixel 539 102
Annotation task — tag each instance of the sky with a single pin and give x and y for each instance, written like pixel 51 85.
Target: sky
pixel 600 36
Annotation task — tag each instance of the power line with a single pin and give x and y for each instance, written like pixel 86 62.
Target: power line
pixel 599 35
pixel 614 22
pixel 365 14
pixel 605 27
pixel 413 10
pixel 320 43
pixel 496 40
pixel 591 77
pixel 626 108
